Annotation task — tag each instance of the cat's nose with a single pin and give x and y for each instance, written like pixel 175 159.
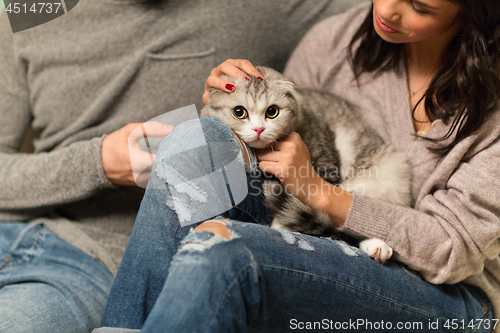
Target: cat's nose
pixel 259 130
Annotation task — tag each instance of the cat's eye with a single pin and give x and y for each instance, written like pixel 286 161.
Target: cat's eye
pixel 272 112
pixel 240 112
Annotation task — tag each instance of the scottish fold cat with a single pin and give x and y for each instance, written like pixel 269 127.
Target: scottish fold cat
pixel 343 151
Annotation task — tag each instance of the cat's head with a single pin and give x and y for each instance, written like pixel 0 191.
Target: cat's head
pixel 259 112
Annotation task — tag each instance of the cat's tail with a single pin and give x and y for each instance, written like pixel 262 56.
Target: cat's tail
pixel 387 178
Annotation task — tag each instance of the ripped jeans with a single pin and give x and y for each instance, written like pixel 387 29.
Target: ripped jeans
pixel 176 279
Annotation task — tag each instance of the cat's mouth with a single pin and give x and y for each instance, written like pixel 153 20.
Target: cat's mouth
pixel 259 143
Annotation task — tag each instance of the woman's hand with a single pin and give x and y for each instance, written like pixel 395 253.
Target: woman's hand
pixel 232 67
pixel 290 161
pixel 124 163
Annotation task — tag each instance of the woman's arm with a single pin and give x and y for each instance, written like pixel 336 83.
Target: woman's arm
pixel 289 160
pixel 451 231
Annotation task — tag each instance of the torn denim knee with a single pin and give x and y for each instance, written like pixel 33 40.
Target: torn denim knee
pixel 201 240
pixel 204 181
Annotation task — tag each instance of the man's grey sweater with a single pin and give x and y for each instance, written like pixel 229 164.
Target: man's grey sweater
pixel 101 66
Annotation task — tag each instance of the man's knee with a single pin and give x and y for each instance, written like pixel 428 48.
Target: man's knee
pixel 41 307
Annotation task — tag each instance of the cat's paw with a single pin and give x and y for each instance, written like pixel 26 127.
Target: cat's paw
pixel 377 249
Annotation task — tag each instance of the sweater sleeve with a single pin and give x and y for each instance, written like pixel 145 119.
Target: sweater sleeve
pixel 33 184
pixel 451 231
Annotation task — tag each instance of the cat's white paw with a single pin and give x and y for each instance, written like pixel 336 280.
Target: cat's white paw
pixel 377 249
pixel 276 225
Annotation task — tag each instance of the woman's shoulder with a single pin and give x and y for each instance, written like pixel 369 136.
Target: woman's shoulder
pixel 339 29
pixel 324 47
pixel 353 16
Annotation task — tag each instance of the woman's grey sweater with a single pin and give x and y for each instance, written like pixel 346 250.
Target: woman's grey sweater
pixel 453 232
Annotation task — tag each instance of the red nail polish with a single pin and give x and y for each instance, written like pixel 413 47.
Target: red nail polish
pixel 248 79
pixel 230 87
pixel 260 78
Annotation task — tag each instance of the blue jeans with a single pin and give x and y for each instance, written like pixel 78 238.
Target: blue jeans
pixel 46 284
pixel 175 279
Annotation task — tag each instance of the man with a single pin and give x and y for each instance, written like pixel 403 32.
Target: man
pixel 85 81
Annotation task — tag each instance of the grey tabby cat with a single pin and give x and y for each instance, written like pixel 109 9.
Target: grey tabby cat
pixel 344 152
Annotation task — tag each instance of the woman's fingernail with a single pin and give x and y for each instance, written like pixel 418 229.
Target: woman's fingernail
pixel 248 79
pixel 260 78
pixel 230 87
pixel 168 128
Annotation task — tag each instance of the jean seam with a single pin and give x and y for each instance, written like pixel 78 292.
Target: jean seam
pixel 22 234
pixel 19 239
pixel 484 304
pixel 479 298
pixel 354 287
pixel 224 296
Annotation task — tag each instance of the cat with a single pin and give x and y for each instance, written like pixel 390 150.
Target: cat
pixel 343 151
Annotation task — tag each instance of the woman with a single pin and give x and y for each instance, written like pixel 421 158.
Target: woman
pixel 425 75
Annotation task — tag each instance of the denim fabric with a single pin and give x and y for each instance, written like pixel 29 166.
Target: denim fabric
pixel 175 279
pixel 46 284
pixel 115 330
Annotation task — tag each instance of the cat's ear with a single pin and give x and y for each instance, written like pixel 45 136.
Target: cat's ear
pixel 277 79
pixel 271 74
pixel 280 82
pixel 286 85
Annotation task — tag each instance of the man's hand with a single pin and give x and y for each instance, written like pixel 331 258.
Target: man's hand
pixel 123 161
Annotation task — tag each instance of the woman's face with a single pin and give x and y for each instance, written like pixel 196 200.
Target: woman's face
pixel 406 21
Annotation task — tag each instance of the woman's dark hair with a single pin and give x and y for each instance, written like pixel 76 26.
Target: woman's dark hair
pixel 468 84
